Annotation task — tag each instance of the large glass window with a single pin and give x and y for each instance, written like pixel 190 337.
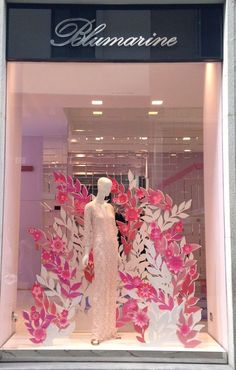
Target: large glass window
pixel 154 130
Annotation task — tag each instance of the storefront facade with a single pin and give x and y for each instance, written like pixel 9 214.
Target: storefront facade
pixel 196 44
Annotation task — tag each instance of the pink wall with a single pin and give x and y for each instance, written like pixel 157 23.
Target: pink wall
pixel 11 208
pixel 213 192
pixel 30 210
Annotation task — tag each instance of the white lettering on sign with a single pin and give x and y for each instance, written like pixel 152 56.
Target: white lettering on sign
pixel 80 32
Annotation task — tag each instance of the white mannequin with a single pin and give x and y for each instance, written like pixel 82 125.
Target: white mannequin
pixel 100 233
pixel 104 189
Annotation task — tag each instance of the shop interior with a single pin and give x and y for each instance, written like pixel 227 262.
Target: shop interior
pixel 87 120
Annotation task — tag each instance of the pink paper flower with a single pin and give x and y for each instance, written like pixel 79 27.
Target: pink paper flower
pixel 37 291
pixel 131 214
pixel 63 323
pixel 175 263
pixel 37 234
pixel 34 315
pixel 155 197
pixel 187 248
pixel 140 192
pixel 61 320
pixel 115 186
pixel 39 334
pixel 47 256
pixel 123 227
pixel 130 306
pixel 140 319
pixel 136 281
pixel 80 204
pixel 155 234
pixel 179 227
pixel 59 177
pixel 193 270
pixel 64 313
pixel 146 290
pixel 65 274
pixel 169 252
pixel 185 329
pixel 62 197
pixel 58 245
pixel 122 198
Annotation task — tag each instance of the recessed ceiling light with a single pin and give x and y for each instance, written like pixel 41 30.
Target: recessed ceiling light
pixel 78 130
pixel 186 138
pixel 187 150
pixel 97 102
pixel 73 141
pixel 144 138
pixel 157 102
pixel 99 150
pixel 173 155
pixel 152 113
pixel 80 165
pixel 97 113
pixel 97 138
pixel 80 155
pixel 82 173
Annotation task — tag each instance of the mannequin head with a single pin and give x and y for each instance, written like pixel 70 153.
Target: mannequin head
pixel 104 187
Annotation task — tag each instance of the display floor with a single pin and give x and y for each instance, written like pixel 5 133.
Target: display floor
pixel 78 348
pixel 78 341
pixel 127 348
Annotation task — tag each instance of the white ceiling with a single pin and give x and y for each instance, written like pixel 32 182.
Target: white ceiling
pixel 57 100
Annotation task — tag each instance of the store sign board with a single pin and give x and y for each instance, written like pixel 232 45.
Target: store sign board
pixel 114 33
pixel 80 32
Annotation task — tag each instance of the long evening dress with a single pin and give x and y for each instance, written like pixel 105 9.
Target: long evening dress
pixel 101 233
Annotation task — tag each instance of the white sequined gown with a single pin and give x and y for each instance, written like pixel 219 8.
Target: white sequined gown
pixel 101 232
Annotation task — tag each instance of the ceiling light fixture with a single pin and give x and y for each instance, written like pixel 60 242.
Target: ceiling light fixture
pixel 73 141
pixel 99 150
pixel 97 113
pixel 187 150
pixel 152 113
pixel 78 130
pixel 173 155
pixel 157 102
pixel 97 102
pixel 83 173
pixel 186 138
pixel 80 155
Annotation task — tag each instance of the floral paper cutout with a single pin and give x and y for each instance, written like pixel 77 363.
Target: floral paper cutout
pixel 157 277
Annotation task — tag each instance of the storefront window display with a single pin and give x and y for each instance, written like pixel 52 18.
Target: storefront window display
pixel 113 230
pixel 148 130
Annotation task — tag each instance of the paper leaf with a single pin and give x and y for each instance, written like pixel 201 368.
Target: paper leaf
pixel 44 272
pixel 63 214
pixel 130 176
pixel 51 283
pixel 181 207
pixel 41 280
pixel 183 215
pixel 188 204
